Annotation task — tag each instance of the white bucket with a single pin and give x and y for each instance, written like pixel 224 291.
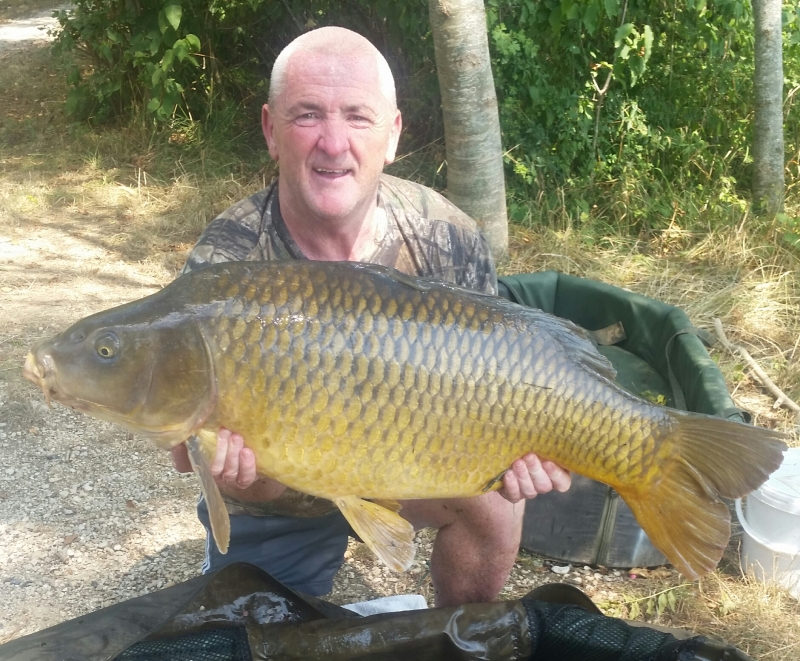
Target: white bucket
pixel 771 540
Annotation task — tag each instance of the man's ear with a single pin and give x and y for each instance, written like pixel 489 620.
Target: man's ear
pixel 394 138
pixel 268 129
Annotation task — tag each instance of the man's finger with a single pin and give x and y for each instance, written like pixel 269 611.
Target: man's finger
pixel 247 469
pixel 510 490
pixel 218 463
pixel 534 479
pixel 560 477
pixel 231 471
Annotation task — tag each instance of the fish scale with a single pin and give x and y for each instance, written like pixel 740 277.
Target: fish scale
pixel 353 382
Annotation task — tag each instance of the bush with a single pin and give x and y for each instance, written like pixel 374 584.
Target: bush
pixel 598 97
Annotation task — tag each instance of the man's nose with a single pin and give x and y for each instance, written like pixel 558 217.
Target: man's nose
pixel 335 139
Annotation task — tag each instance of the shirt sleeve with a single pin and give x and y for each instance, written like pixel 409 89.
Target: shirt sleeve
pixel 232 236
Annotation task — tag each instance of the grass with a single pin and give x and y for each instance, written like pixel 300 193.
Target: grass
pixel 146 196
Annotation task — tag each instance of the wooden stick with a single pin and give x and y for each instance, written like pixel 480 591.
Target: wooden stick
pixel 781 398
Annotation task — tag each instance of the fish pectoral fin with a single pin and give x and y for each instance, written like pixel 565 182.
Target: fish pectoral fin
pixel 495 483
pixel 217 512
pixel 392 505
pixel 387 533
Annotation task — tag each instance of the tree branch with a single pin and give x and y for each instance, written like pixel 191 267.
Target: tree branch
pixel 781 398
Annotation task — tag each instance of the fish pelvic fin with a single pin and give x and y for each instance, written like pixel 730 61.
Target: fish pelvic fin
pixel 385 532
pixel 217 512
pixel 682 514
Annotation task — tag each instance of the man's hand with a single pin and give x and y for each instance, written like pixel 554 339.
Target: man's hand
pixel 528 477
pixel 233 468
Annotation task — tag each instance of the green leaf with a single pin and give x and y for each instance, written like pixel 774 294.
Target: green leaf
pixel 648 42
pixel 623 32
pixel 635 611
pixel 173 13
pixel 792 239
pixel 591 17
pixel 555 20
pixel 193 41
pixel 612 8
pixel 163 25
pixel 671 600
pixel 181 49
pixel 166 61
pixel 157 77
pixel 154 104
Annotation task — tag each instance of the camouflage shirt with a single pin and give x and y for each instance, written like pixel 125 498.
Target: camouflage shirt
pixel 421 234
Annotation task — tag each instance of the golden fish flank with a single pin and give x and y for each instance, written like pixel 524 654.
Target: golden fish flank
pixel 351 381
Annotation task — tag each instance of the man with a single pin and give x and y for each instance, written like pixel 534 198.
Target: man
pixel 332 124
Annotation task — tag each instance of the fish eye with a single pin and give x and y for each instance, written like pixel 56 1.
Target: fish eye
pixel 107 346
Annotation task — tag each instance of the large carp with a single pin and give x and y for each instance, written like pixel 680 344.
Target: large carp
pixel 354 382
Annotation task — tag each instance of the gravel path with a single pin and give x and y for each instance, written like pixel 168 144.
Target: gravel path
pixel 21 33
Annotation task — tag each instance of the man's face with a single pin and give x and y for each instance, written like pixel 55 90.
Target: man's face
pixel 332 132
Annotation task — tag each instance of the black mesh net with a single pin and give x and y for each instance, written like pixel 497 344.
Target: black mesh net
pixel 569 632
pixel 229 644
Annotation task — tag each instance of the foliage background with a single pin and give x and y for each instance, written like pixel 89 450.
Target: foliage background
pixel 631 115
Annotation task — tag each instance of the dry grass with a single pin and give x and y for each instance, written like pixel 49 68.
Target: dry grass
pixel 141 195
pixel 147 200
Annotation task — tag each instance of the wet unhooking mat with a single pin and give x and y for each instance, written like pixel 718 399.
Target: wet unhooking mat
pixel 242 614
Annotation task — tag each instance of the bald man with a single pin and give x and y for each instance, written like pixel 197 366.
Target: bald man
pixel 332 124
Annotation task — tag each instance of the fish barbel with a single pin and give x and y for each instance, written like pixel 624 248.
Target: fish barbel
pixel 354 382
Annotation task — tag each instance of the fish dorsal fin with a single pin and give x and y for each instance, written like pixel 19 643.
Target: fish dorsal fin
pixel 387 533
pixel 575 341
pixel 217 512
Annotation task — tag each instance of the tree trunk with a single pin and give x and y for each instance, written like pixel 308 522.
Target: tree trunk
pixel 475 180
pixel 768 149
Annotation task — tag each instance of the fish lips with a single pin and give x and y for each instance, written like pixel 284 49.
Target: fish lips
pixel 43 375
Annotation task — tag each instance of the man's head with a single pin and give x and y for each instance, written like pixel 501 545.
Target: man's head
pixel 332 123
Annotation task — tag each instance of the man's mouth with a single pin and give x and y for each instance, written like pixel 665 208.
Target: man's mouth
pixel 331 172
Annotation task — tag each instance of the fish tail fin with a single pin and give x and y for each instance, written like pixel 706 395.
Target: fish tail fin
pixel 682 514
pixel 385 532
pixel 217 512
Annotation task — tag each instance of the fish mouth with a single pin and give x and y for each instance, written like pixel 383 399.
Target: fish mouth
pixel 42 374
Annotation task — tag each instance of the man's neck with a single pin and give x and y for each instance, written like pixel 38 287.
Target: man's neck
pixel 348 239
